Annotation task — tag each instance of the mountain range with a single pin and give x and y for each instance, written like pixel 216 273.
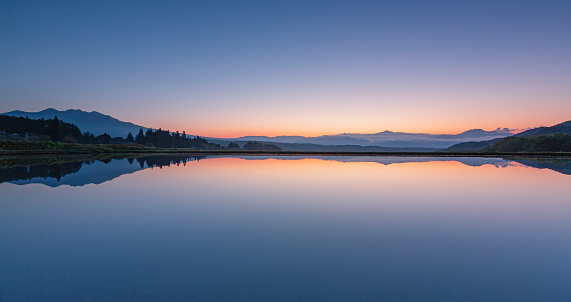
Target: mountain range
pixel 387 139
pixel 98 123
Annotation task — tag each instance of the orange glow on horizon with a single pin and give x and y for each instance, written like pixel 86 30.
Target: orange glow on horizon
pixel 222 127
pixel 332 118
pixel 270 133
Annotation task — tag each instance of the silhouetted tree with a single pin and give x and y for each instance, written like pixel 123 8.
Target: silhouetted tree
pixel 55 129
pixel 140 138
pixel 104 138
pixel 130 138
pixel 165 139
pixel 233 146
pixel 89 138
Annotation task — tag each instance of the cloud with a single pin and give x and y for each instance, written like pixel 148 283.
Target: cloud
pixel 518 130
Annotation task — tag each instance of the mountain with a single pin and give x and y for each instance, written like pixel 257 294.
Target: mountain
pixel 93 122
pixel 478 133
pixel 473 146
pixel 564 128
pixel 348 148
pixel 319 140
pixel 98 124
pixel 386 139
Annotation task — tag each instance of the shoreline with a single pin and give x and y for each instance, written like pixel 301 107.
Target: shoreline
pixel 149 151
pixel 49 158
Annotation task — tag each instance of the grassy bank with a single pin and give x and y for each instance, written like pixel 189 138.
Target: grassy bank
pixel 51 149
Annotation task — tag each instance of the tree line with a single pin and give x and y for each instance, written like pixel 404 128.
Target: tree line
pixel 559 142
pixel 165 139
pixel 54 129
pixel 57 130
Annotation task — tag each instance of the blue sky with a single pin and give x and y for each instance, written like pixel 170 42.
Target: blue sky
pixel 226 68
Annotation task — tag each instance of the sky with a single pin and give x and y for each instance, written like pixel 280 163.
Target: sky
pixel 233 68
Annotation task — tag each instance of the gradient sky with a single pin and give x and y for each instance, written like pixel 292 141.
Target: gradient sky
pixel 232 68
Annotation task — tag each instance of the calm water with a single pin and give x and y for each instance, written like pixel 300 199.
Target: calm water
pixel 286 229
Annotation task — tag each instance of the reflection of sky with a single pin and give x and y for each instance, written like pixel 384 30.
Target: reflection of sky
pixel 98 172
pixel 229 68
pixel 313 230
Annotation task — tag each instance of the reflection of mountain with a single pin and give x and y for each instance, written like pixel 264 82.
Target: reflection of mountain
pixel 81 173
pixel 561 166
pixel 388 160
pixel 558 165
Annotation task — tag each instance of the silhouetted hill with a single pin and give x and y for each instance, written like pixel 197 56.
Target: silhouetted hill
pixel 559 142
pixel 94 122
pixel 476 146
pixel 473 146
pixel 559 128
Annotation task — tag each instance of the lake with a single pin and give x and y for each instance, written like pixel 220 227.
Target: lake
pixel 286 229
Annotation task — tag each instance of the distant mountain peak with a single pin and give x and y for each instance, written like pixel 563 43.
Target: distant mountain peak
pixel 482 131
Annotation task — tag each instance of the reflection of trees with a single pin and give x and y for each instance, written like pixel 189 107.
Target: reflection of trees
pixel 28 169
pixel 45 171
pixel 166 160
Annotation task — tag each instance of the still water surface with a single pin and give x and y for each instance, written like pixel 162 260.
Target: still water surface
pixel 286 229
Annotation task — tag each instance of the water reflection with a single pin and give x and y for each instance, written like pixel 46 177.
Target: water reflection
pixel 82 171
pixel 556 164
pixel 289 229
